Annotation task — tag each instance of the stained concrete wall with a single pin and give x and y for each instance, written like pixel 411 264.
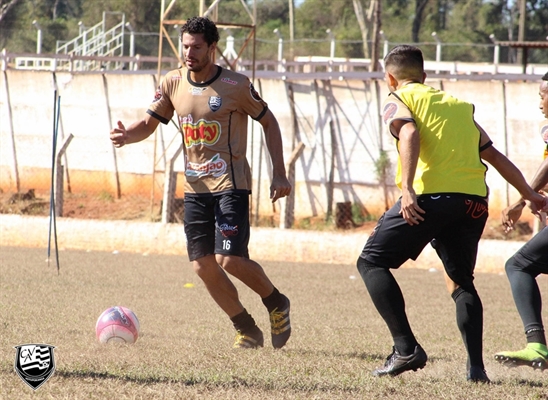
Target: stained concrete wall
pixel 338 121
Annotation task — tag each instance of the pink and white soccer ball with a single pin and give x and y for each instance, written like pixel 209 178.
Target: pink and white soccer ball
pixel 117 324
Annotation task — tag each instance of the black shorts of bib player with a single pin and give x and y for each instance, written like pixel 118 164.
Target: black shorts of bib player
pixel 443 201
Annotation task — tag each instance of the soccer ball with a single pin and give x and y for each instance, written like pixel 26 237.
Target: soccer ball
pixel 117 324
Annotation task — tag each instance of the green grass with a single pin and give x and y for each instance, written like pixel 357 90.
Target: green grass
pixel 184 351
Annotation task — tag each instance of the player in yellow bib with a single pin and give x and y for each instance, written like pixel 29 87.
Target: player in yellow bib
pixel 212 105
pixel 443 201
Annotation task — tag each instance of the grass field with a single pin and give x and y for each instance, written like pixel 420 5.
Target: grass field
pixel 184 351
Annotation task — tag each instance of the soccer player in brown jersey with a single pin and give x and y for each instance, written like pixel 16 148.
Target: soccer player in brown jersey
pixel 443 201
pixel 212 105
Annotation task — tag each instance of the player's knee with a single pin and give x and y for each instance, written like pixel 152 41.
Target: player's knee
pixel 511 266
pixel 364 267
pixel 471 289
pixel 229 263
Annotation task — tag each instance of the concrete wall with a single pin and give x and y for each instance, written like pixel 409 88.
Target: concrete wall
pixel 337 120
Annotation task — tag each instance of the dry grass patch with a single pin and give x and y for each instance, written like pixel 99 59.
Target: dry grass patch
pixel 184 351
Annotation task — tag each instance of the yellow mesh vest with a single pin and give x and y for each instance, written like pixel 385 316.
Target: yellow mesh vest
pixel 449 160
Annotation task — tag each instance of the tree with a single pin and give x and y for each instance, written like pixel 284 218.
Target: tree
pixel 418 19
pixel 5 6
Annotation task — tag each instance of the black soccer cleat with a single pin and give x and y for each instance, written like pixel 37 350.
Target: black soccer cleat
pixel 477 375
pixel 396 363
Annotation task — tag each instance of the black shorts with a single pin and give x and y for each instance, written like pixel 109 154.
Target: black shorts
pixel 217 224
pixel 453 223
pixel 533 256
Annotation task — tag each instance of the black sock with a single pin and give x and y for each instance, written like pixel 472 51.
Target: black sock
pixel 388 299
pixel 469 312
pixel 536 336
pixel 526 294
pixel 243 322
pixel 273 300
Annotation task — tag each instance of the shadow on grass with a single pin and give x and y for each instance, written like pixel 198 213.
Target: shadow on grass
pixel 369 357
pixel 234 382
pixel 126 377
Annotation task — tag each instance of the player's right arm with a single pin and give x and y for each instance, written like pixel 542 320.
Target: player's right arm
pixel 136 132
pixel 409 149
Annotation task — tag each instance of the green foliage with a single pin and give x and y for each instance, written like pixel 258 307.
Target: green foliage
pixel 382 165
pixel 458 24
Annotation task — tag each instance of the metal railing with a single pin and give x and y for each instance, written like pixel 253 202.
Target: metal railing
pixel 300 68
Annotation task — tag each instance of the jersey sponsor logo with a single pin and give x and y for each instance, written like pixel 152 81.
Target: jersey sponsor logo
pixel 200 132
pixel 229 81
pixel 228 230
pixel 389 111
pixel 157 95
pixel 215 167
pixel 214 103
pixel 196 91
pixel 176 77
pixel 254 93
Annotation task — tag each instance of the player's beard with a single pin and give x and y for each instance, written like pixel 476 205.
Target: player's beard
pixel 198 65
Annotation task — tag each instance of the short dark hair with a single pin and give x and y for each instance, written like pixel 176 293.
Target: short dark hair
pixel 201 25
pixel 405 62
pixel 545 77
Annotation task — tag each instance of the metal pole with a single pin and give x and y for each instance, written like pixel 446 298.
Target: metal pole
pixel 438 46
pixel 280 50
pixel 496 52
pixel 131 44
pixel 385 43
pixel 331 37
pixel 38 37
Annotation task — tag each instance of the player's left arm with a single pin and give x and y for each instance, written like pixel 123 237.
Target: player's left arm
pixel 280 186
pixel 509 171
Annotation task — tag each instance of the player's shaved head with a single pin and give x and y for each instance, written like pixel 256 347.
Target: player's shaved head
pixel 405 62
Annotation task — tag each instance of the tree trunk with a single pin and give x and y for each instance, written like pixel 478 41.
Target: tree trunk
pixel 420 5
pixel 362 22
pixel 376 19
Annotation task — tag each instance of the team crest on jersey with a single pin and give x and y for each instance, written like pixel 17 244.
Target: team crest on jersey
pixel 215 103
pixel 390 109
pixel 215 167
pixel 196 91
pixel 157 95
pixel 34 363
pixel 254 93
pixel 229 81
